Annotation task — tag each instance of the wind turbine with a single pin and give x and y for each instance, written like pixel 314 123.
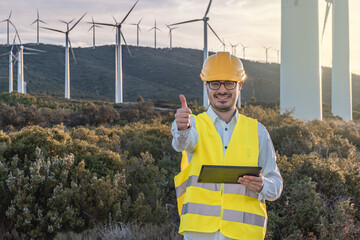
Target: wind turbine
pixel 137 31
pixel 11 61
pixel 205 19
pixel 278 54
pixel 93 28
pixel 8 23
pixel 170 34
pixel 118 56
pixel 20 61
pixel 67 43
pixel 266 52
pixel 341 90
pixel 155 28
pixel 37 21
pixel 243 49
pixel 233 48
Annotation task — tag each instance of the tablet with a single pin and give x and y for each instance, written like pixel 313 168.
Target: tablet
pixel 225 174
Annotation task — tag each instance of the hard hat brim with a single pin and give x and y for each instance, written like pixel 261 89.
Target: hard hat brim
pixel 223 77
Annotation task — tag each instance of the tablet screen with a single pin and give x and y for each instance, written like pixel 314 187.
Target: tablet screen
pixel 225 174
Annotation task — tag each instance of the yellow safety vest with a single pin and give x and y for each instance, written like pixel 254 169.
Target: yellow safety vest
pixel 231 208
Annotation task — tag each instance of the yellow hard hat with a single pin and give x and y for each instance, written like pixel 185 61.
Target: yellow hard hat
pixel 223 66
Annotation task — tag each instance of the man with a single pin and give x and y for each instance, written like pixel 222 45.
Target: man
pixel 221 136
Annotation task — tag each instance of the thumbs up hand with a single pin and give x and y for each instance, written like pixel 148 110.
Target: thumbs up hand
pixel 182 116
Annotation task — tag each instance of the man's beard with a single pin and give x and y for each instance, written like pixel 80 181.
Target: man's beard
pixel 223 108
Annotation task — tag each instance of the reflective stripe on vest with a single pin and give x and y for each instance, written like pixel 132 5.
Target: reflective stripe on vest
pixel 228 188
pixel 206 207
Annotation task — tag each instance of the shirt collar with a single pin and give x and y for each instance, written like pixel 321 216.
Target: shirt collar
pixel 213 116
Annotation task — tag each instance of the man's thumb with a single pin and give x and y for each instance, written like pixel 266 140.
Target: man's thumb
pixel 183 101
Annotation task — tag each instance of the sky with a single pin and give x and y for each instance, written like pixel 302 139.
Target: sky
pixel 253 23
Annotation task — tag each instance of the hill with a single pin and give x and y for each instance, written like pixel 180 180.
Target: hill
pixel 155 74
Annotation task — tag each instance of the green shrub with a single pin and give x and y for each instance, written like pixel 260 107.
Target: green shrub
pixel 56 194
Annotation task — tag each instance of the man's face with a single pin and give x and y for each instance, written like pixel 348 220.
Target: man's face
pixel 223 98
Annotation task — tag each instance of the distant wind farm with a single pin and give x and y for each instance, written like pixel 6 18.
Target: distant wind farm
pixel 286 50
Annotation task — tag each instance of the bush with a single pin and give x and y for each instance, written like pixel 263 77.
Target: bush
pixel 101 173
pixel 55 194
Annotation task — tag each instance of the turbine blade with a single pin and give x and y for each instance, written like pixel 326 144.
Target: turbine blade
pixel 35 50
pixel 37 13
pixel 42 21
pixel 140 21
pixel 328 5
pixel 122 35
pixel 77 22
pixel 194 20
pixel 12 47
pixel 215 33
pixel 72 52
pixel 10 14
pixel 27 53
pixel 25 67
pixel 106 24
pixel 129 12
pixel 52 29
pixel 91 28
pixel 71 20
pixel 16 31
pixel 114 19
pixel 4 54
pixel 151 29
pixel 208 8
pixel 63 21
pixel 34 22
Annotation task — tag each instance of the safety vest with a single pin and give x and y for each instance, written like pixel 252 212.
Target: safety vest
pixel 231 208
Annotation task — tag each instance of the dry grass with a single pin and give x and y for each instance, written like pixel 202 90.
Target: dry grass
pixel 128 231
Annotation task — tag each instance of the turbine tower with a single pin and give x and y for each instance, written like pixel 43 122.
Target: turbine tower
pixel 20 78
pixel 8 23
pixel 205 19
pixel 67 43
pixel 300 72
pixel 233 48
pixel 278 54
pixel 11 61
pixel 138 30
pixel 37 21
pixel 93 28
pixel 341 83
pixel 170 34
pixel 243 49
pixel 266 53
pixel 155 29
pixel 118 56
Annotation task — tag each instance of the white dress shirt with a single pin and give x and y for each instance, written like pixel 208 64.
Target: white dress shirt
pixel 188 139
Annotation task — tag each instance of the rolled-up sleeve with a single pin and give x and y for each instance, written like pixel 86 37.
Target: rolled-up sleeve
pixel 273 183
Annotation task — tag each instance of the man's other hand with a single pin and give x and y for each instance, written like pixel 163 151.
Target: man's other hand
pixel 253 183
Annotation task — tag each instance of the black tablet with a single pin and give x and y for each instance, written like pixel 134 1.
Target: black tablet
pixel 225 174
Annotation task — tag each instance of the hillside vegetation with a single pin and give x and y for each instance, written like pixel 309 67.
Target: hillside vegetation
pixel 84 170
pixel 154 74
